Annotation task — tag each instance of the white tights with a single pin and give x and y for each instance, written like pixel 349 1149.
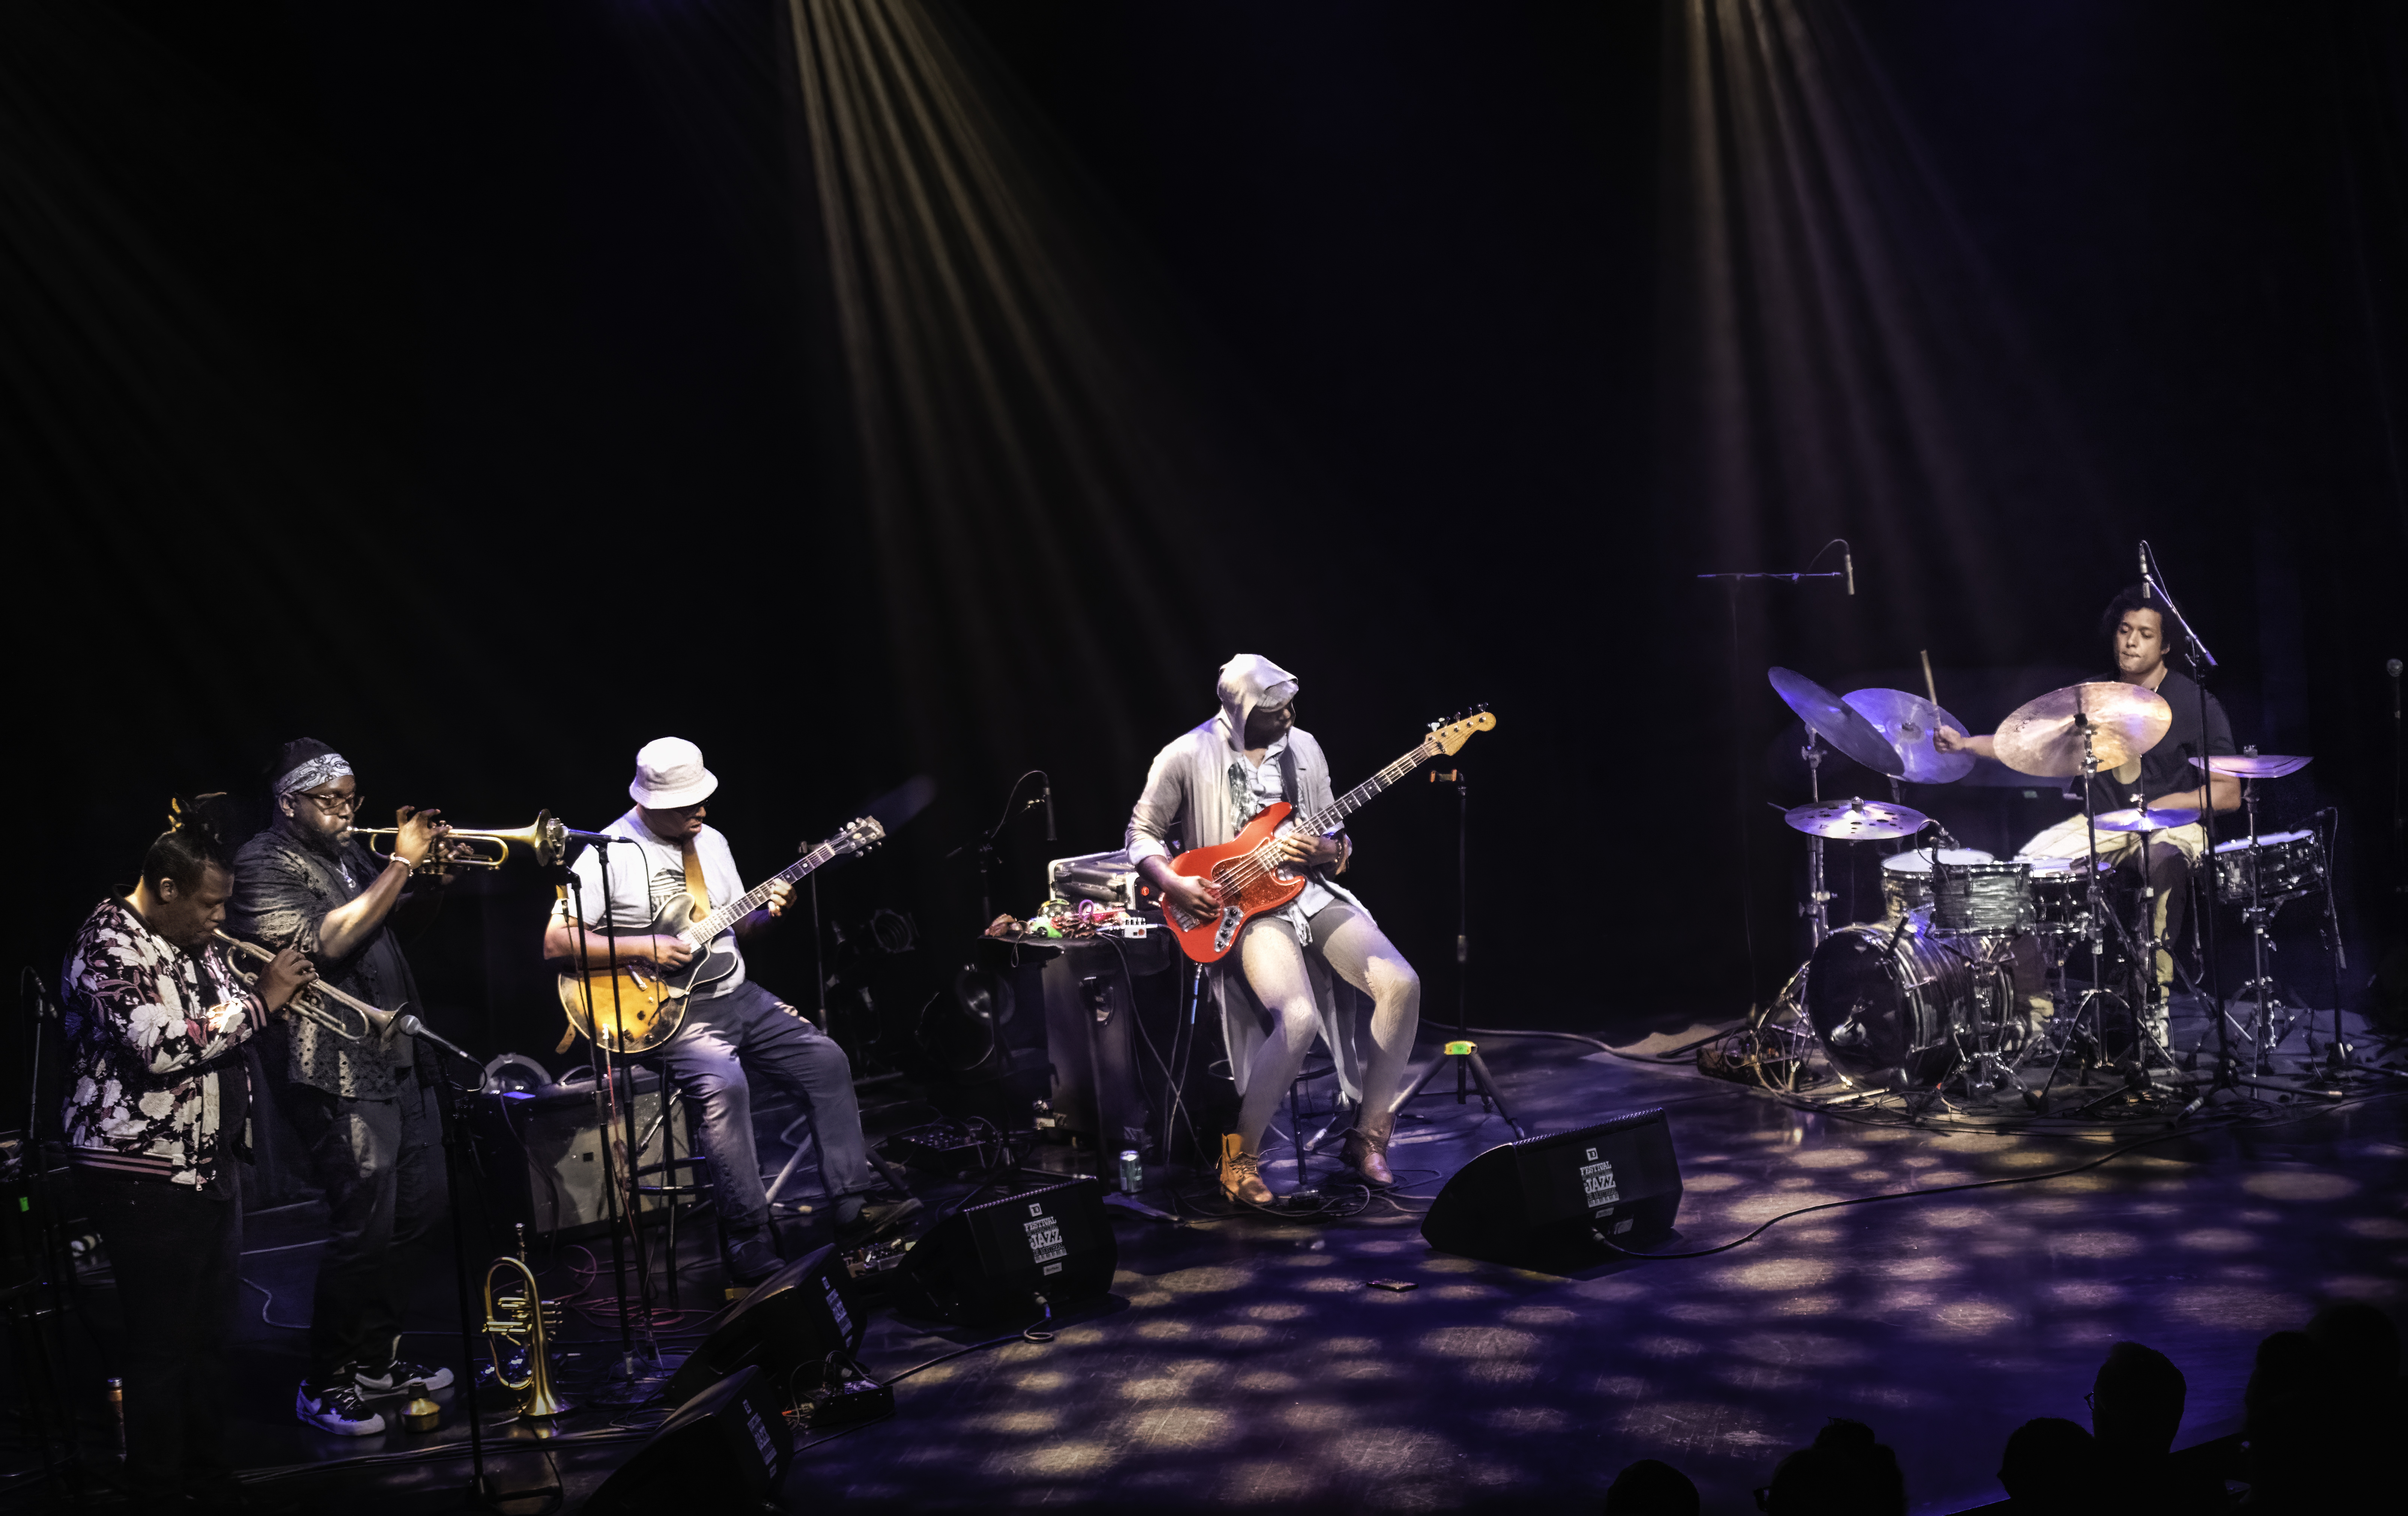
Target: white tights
pixel 1361 954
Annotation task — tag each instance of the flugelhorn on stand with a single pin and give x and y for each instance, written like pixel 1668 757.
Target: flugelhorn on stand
pixel 311 999
pixel 547 839
pixel 526 1322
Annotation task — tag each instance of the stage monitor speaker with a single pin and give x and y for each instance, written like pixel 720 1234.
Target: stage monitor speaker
pixel 1553 1202
pixel 988 1264
pixel 726 1450
pixel 800 1314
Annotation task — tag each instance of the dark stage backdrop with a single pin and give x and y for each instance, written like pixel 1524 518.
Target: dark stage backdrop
pixel 487 389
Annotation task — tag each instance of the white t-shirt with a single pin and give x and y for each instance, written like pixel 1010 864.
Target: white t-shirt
pixel 647 876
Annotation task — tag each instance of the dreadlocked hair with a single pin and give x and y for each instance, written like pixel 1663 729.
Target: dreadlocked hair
pixel 193 840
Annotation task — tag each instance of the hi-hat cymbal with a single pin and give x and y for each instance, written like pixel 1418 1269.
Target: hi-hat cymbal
pixel 1859 821
pixel 2162 819
pixel 1906 723
pixel 2253 765
pixel 2043 736
pixel 1838 724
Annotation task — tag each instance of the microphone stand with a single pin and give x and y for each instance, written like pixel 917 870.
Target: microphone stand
pixel 2200 659
pixel 984 845
pixel 1731 581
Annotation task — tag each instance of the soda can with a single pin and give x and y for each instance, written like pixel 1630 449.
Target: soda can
pixel 1132 1171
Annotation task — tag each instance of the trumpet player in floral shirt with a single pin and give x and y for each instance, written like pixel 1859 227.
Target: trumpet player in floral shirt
pixel 157 1109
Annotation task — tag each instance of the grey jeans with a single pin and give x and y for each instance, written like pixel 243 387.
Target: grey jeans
pixel 749 1030
pixel 383 1175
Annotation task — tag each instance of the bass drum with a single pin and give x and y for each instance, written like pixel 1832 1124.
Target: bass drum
pixel 1886 1005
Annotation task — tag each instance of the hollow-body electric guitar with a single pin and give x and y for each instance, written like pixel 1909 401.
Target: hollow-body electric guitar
pixel 1248 869
pixel 644 1004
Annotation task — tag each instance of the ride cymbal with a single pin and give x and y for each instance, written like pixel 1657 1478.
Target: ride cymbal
pixel 2044 738
pixel 1906 723
pixel 2253 765
pixel 1859 821
pixel 1836 722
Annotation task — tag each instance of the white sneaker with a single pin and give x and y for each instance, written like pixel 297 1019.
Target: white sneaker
pixel 336 1408
pixel 400 1374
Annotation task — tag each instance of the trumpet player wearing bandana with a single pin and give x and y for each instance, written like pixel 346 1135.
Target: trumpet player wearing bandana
pixel 368 1123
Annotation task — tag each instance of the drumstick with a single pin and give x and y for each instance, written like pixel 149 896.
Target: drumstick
pixel 1928 688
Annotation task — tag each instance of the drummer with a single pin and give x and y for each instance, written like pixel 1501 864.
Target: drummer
pixel 2162 779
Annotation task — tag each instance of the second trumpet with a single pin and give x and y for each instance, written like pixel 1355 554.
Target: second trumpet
pixel 312 1000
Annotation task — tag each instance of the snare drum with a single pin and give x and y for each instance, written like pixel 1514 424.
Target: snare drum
pixel 1906 878
pixel 1986 898
pixel 2286 865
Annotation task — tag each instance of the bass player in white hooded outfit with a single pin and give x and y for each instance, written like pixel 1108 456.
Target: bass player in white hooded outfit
pixel 1299 968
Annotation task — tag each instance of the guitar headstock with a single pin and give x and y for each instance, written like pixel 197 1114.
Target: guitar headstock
pixel 1451 736
pixel 858 836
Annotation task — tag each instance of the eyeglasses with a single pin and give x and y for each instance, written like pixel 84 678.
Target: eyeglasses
pixel 334 805
pixel 2090 1398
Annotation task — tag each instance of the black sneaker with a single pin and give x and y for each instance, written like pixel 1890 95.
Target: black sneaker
pixel 753 1256
pixel 400 1374
pixel 335 1406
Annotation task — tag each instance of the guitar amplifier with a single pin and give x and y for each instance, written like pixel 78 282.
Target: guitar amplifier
pixel 543 1153
pixel 1107 877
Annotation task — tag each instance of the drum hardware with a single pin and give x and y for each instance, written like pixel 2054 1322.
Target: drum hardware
pixel 1829 719
pixel 2293 863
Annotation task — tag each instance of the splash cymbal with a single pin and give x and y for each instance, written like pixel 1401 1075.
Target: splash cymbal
pixel 1829 717
pixel 2043 736
pixel 1857 820
pixel 1906 723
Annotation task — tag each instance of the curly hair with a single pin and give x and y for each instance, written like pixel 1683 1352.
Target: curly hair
pixel 2140 597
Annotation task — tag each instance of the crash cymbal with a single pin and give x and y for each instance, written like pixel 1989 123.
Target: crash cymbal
pixel 1859 821
pixel 2253 765
pixel 1906 723
pixel 1826 715
pixel 2163 818
pixel 2042 737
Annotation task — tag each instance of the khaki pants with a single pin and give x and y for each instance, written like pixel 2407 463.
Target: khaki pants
pixel 2170 855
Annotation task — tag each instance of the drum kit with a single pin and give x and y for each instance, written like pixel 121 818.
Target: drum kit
pixel 1960 982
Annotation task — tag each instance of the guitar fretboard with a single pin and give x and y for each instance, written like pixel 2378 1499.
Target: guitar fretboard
pixel 1320 822
pixel 724 918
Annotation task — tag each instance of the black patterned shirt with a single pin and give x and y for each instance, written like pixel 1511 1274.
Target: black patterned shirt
pixel 156 1087
pixel 283 890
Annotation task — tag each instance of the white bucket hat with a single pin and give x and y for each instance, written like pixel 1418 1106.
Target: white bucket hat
pixel 669 774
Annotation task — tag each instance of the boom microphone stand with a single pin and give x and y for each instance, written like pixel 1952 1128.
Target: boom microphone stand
pixel 2200 659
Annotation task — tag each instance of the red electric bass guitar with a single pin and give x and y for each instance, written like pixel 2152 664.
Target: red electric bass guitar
pixel 1248 869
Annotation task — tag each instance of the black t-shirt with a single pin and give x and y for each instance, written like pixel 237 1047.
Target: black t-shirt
pixel 2166 768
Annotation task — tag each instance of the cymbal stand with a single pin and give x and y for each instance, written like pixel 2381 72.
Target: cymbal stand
pixel 2263 1032
pixel 1817 910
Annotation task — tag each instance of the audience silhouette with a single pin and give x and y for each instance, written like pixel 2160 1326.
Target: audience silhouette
pixel 2325 1413
pixel 1649 1488
pixel 2050 1466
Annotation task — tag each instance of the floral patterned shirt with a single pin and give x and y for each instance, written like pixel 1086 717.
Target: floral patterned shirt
pixel 151 1036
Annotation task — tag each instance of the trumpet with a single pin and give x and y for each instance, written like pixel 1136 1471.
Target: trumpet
pixel 312 999
pixel 547 839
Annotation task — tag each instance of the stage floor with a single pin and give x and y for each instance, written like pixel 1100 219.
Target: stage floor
pixel 1243 1361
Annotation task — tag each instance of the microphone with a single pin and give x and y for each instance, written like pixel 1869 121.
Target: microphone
pixel 1048 808
pixel 1848 564
pixel 409 1025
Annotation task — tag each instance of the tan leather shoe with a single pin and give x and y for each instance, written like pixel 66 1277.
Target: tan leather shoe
pixel 1242 1172
pixel 1366 1150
